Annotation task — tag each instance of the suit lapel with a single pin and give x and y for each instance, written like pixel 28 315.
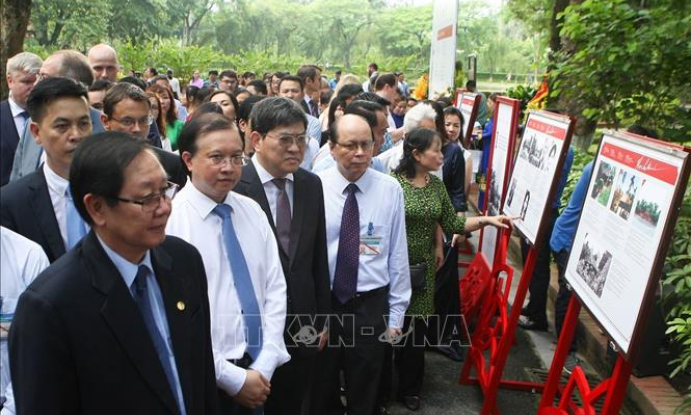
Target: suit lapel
pixel 179 321
pixel 45 215
pixel 121 314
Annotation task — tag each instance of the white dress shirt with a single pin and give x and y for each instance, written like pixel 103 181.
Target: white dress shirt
pixel 314 132
pixel 272 190
pixel 57 186
pixel 19 121
pixel 380 204
pixel 21 260
pixel 192 219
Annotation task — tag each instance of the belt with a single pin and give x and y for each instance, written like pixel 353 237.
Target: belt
pixel 363 295
pixel 244 362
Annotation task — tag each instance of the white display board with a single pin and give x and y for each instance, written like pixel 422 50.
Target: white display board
pixel 621 228
pixel 546 138
pixel 469 106
pixel 442 63
pixel 501 157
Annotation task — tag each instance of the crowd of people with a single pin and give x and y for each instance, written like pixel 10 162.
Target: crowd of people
pixel 235 246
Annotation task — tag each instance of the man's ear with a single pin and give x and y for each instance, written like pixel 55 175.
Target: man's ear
pixel 33 128
pixel 256 139
pixel 95 207
pixel 187 159
pixel 105 121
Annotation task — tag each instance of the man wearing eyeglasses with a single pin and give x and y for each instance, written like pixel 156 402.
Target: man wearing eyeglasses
pixel 120 325
pixel 127 109
pixel 247 289
pixel 292 200
pixel 39 206
pixel 368 263
pixel 291 87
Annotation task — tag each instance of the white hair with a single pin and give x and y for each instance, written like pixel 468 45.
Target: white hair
pixel 24 62
pixel 415 115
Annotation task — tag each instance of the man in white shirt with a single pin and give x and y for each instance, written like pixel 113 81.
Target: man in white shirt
pixel 39 206
pixel 247 289
pixel 368 264
pixel 22 71
pixel 291 87
pixel 21 260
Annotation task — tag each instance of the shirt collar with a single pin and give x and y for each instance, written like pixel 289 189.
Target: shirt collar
pixel 202 203
pixel 14 107
pixel 264 175
pixel 55 183
pixel 363 183
pixel 128 270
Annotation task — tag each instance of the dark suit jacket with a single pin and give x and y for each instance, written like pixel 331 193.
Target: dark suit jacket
pixel 173 165
pixel 26 208
pixel 306 266
pixel 80 346
pixel 9 138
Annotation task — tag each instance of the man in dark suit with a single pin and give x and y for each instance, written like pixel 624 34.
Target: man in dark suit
pixel 292 199
pixel 127 109
pixel 22 70
pixel 38 205
pixel 120 324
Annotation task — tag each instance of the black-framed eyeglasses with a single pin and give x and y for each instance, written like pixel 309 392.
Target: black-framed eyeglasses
pixel 287 140
pixel 237 160
pixel 152 201
pixel 354 145
pixel 130 122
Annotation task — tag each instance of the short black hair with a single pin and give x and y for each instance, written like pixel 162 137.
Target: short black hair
pixel 228 74
pixel 243 113
pixel 642 130
pixel 372 97
pixel 98 167
pixel 365 109
pixel 153 71
pixel 259 85
pixel 206 108
pixel 349 90
pixel 203 124
pixel 308 71
pixel 419 139
pixel 275 112
pixel 338 72
pixel 121 92
pixel 50 89
pixel 247 74
pixel 100 85
pixel 326 96
pixel 230 95
pixel 134 81
pixel 292 78
pixel 470 85
pixel 213 72
pixel 385 79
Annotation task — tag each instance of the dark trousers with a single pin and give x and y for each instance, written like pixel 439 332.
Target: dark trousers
pixel 227 406
pixel 355 349
pixel 290 386
pixel 447 306
pixel 563 296
pixel 410 358
pixel 539 284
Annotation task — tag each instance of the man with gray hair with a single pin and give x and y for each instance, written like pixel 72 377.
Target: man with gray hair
pixel 421 115
pixel 64 63
pixel 103 60
pixel 22 70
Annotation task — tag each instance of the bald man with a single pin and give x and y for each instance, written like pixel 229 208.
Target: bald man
pixel 103 60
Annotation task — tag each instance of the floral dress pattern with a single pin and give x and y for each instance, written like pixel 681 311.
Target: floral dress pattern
pixel 425 207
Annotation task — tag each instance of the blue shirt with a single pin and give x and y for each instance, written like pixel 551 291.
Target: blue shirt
pixel 565 226
pixel 568 162
pixel 128 271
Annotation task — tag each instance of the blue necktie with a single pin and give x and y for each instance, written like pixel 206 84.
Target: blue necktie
pixel 243 283
pixel 75 225
pixel 348 256
pixel 141 297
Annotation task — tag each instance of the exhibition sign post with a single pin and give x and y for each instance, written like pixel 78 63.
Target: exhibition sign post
pixel 500 162
pixel 618 253
pixel 534 179
pixel 443 49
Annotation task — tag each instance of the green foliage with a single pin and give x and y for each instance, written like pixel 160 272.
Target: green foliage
pixel 628 64
pixel 580 159
pixel 677 276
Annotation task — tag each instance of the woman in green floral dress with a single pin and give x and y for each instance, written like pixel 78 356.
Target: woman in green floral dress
pixel 426 205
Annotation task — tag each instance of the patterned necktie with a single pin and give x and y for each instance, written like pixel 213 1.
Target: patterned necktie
pixel 347 259
pixel 243 283
pixel 141 298
pixel 75 225
pixel 283 216
pixel 314 109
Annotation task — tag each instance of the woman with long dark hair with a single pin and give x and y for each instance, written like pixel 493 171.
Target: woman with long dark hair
pixel 173 124
pixel 426 204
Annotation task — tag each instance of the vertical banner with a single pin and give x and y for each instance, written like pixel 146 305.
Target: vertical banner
pixel 501 159
pixel 546 140
pixel 469 104
pixel 626 222
pixel 442 63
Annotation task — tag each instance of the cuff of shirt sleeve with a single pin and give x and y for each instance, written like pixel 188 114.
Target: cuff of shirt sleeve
pixel 266 363
pixel 396 321
pixel 231 378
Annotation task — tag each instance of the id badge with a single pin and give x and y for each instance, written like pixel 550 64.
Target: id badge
pixel 370 245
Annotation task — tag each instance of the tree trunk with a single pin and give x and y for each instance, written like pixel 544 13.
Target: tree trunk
pixel 15 19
